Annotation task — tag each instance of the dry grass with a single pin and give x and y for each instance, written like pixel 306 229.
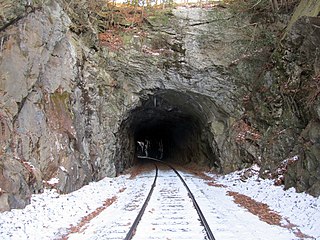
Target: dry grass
pixel 259 209
pixel 265 214
pixel 88 218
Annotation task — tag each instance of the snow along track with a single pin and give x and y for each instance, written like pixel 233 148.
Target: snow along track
pixel 169 214
pixel 50 215
pixel 114 222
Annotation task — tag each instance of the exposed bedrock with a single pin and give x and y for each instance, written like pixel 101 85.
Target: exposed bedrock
pixel 193 84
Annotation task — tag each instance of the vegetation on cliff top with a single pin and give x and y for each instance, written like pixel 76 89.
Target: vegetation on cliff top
pixel 108 23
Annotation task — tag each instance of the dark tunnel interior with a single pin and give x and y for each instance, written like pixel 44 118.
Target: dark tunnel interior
pixel 171 126
pixel 164 135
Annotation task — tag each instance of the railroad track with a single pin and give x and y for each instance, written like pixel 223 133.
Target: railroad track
pixel 175 221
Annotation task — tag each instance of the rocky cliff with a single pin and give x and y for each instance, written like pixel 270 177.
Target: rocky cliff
pixel 51 127
pixel 287 108
pixel 74 104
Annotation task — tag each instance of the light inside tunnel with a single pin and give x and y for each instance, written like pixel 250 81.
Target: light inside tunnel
pixel 171 126
pixel 164 134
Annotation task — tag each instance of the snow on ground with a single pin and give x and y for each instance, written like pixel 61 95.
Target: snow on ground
pixel 50 215
pixel 300 209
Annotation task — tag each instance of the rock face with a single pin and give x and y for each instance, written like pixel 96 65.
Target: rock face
pixel 287 110
pixel 283 105
pixel 47 101
pixel 182 72
pixel 72 111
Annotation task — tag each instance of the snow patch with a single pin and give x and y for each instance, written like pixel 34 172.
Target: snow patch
pixel 300 209
pixel 63 169
pixel 53 181
pixel 50 214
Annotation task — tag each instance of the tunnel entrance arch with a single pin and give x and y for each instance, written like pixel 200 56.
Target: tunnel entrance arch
pixel 168 125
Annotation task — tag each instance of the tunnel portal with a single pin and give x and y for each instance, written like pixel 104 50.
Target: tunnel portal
pixel 168 125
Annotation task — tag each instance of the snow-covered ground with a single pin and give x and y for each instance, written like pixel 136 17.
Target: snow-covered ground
pixel 50 215
pixel 300 209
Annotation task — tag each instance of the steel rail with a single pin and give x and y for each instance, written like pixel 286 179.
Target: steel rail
pixel 143 208
pixel 196 205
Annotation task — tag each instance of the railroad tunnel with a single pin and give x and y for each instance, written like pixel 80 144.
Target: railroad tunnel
pixel 171 126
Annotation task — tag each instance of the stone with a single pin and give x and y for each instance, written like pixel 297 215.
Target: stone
pixel 40 66
pixel 14 192
pixel 11 11
pixel 73 109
